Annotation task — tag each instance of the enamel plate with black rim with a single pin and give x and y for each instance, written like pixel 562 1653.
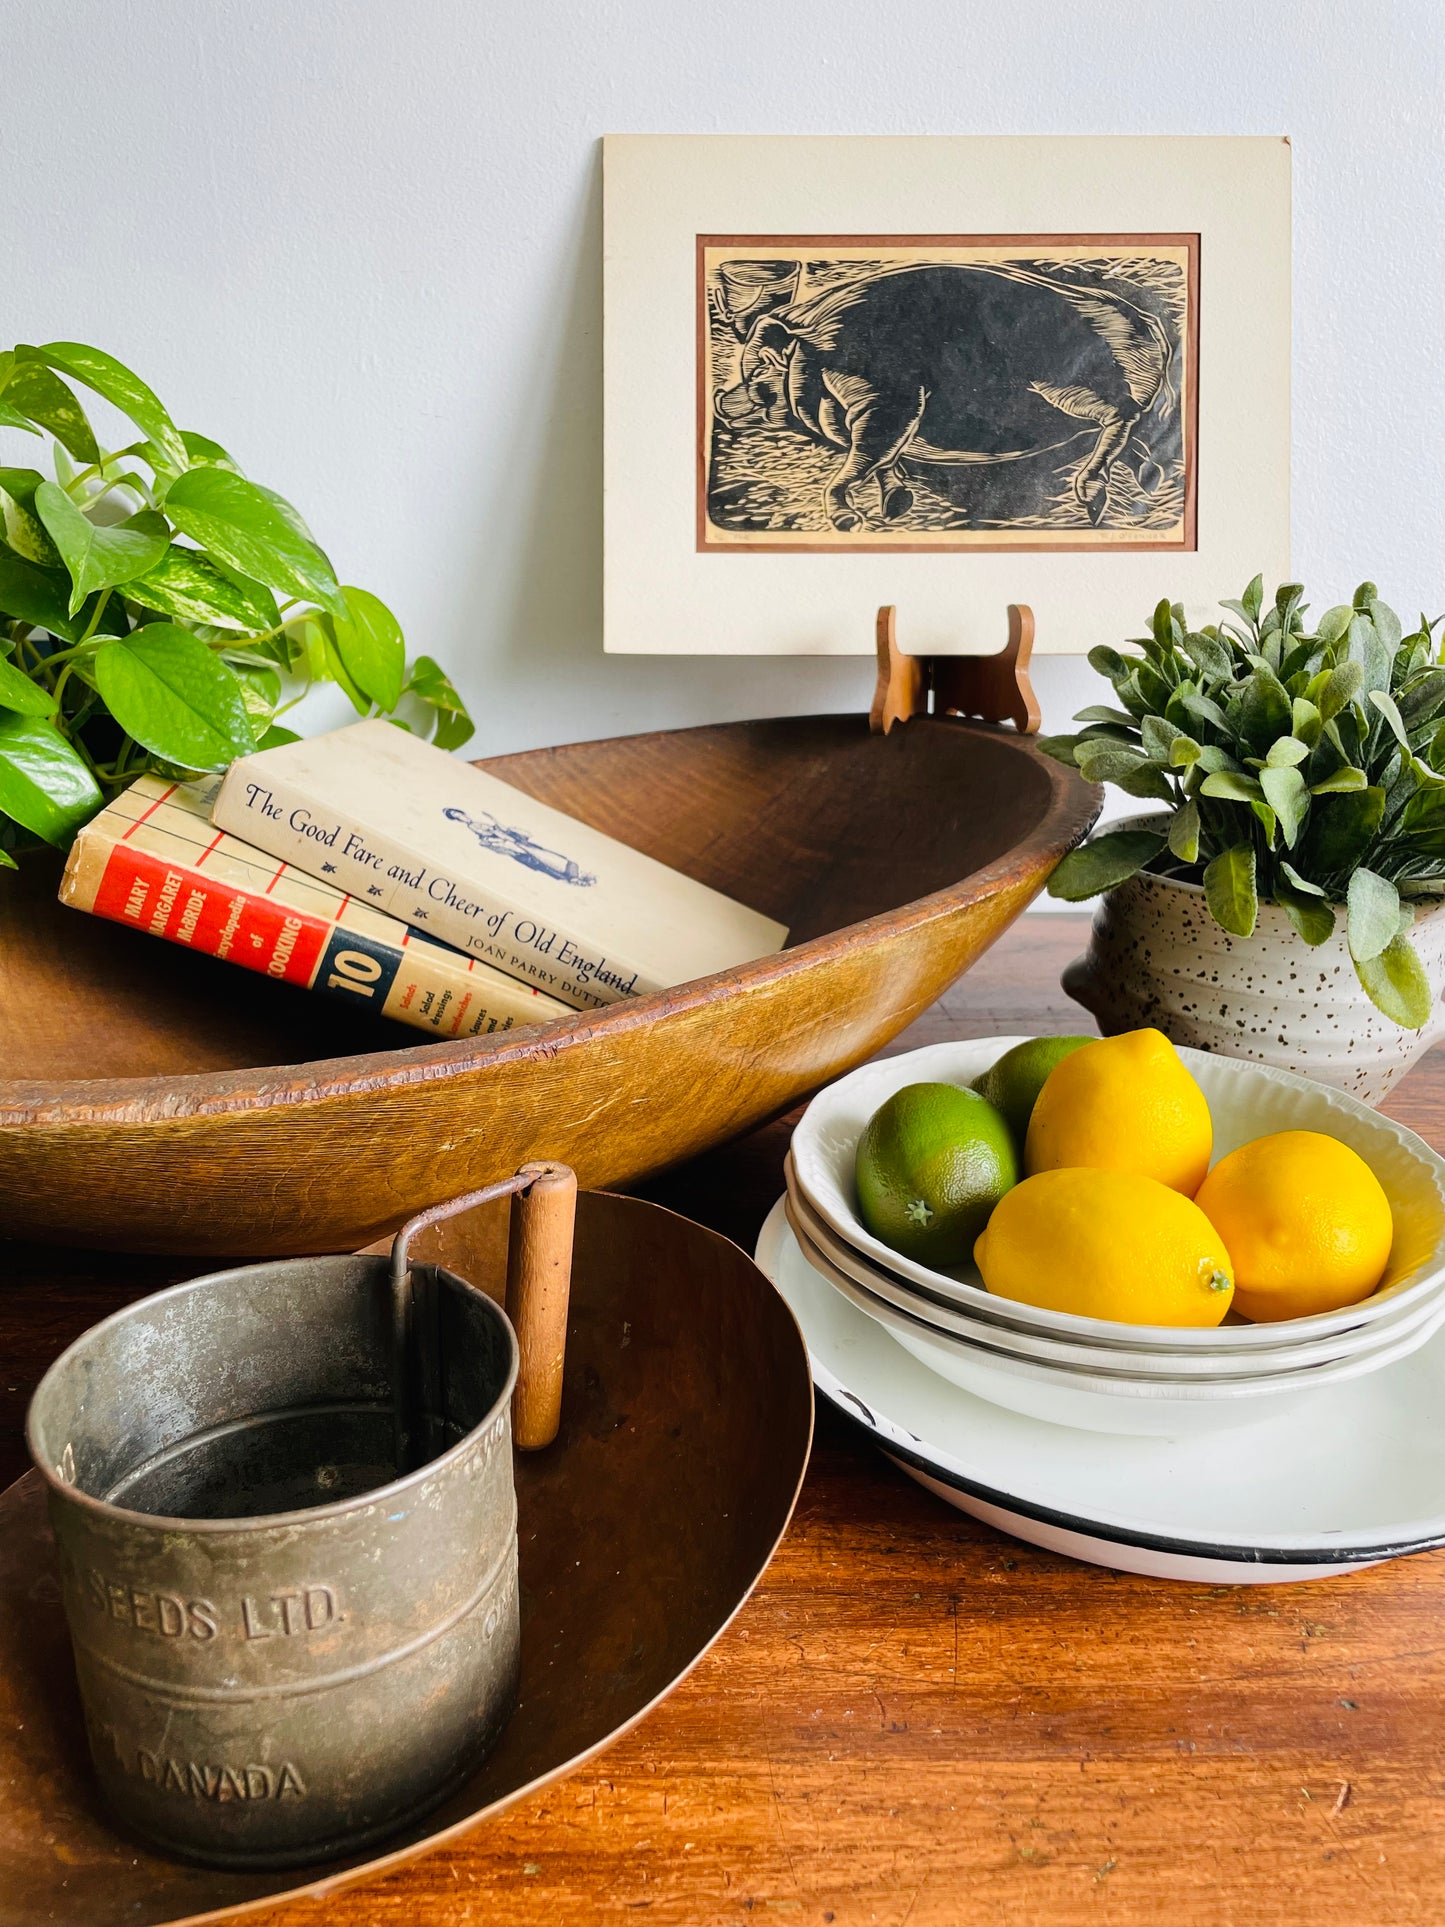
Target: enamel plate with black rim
pixel 1353 1476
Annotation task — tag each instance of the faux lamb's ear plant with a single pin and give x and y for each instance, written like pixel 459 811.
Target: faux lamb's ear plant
pixel 1298 766
pixel 158 610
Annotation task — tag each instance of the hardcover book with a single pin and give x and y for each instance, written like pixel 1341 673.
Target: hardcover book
pixel 466 857
pixel 153 860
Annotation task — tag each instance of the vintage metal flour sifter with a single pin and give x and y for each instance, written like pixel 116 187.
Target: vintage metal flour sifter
pixel 284 1506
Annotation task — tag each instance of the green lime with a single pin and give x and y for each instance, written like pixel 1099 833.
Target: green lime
pixel 1012 1085
pixel 932 1164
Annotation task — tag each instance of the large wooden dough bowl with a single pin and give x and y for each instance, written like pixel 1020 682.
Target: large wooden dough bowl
pixel 159 1101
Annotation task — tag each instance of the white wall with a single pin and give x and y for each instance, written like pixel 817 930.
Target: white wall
pixel 359 243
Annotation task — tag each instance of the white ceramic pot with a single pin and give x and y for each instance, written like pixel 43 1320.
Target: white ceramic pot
pixel 1156 957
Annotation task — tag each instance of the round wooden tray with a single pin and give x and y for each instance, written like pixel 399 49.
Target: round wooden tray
pixel 160 1101
pixel 687 1418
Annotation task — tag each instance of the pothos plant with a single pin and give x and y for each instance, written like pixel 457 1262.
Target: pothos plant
pixel 159 610
pixel 1301 765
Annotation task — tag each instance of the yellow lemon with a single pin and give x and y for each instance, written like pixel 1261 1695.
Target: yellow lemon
pixel 1305 1220
pixel 1124 1104
pixel 1106 1244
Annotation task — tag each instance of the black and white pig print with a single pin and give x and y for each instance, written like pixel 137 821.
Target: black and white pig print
pixel 975 394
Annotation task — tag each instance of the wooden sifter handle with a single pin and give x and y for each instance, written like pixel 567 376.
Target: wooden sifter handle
pixel 539 1284
pixel 539 1279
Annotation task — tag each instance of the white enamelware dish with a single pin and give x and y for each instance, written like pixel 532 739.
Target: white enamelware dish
pixel 1103 1401
pixel 1075 1354
pixel 1351 1477
pixel 1245 1101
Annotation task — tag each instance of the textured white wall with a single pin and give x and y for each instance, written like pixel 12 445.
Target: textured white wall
pixel 359 242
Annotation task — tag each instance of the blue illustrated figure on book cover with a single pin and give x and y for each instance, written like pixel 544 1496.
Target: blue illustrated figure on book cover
pixel 492 834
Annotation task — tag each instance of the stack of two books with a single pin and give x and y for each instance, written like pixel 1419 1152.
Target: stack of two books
pixel 370 866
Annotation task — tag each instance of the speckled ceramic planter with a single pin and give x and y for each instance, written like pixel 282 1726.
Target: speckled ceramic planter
pixel 1157 957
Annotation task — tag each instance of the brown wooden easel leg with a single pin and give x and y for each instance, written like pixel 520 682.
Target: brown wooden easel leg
pixel 901 689
pixel 997 688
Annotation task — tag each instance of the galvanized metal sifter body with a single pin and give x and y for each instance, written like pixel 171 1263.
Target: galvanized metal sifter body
pixel 284 1506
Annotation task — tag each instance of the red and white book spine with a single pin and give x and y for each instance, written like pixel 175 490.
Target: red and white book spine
pixel 153 860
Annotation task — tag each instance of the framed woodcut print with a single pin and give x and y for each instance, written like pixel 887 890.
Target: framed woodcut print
pixel 947 392
pixel 945 373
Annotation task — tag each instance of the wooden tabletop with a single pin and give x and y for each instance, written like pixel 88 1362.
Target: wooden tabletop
pixel 919 1721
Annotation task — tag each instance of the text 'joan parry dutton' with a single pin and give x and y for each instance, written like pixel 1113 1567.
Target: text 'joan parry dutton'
pixel 467 858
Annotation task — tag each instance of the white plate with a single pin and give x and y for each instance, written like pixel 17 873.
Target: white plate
pixel 1073 1354
pixel 1245 1100
pixel 1355 1476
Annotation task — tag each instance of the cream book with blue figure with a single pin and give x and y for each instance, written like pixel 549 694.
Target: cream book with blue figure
pixel 467 858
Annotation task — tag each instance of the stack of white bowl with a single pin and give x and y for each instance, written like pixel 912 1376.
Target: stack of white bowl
pixel 1095 1373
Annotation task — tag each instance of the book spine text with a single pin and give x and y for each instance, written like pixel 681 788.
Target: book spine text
pixel 418 984
pixel 378 871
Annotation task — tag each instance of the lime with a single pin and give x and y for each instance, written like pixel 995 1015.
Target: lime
pixel 1012 1085
pixel 932 1164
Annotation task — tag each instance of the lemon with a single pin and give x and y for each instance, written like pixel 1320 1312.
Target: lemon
pixel 1012 1085
pixel 1106 1244
pixel 1305 1220
pixel 932 1163
pixel 1123 1104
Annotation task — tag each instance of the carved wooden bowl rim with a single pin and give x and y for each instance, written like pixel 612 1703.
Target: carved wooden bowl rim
pixel 1071 809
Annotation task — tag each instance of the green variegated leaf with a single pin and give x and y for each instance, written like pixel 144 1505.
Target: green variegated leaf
pixel 252 530
pixel 1104 760
pixel 1289 798
pixel 1386 705
pixel 1334 623
pixel 189 587
pixel 24 530
pixel 1267 821
pixel 1341 829
pixel 1206 710
pixel 1212 759
pixel 369 642
pixel 19 693
pixel 1061 748
pixel 96 370
pixel 173 695
pixel 98 557
pixel 1387 624
pixel 39 597
pixel 40 394
pixel 1336 688
pixel 1101 864
pixel 1184 833
pixel 1157 736
pixel 1229 890
pixel 1366 648
pixel 1374 906
pixel 1305 722
pixel 1285 752
pixel 1102 713
pixel 1109 663
pixel 1231 787
pixel 1395 983
pixel 1260 710
pixel 44 784
pixel 1146 780
pixel 1315 921
pixel 430 684
pixel 1210 656
pixel 1298 882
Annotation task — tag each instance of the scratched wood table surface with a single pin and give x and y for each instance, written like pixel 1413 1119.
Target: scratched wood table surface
pixel 916 1720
